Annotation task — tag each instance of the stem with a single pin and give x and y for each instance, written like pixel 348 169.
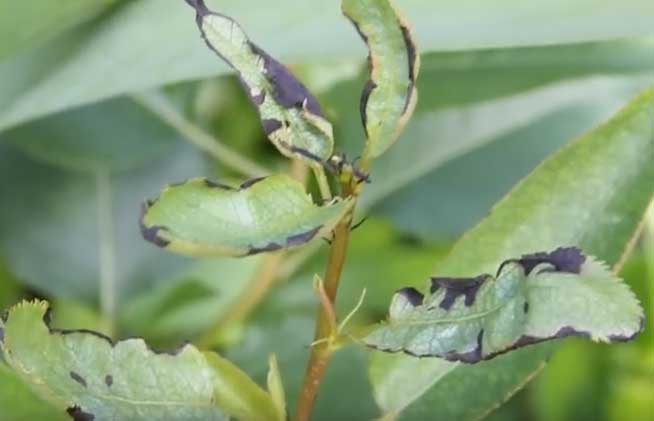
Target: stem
pixel 323 184
pixel 106 247
pixel 159 105
pixel 322 350
pixel 253 294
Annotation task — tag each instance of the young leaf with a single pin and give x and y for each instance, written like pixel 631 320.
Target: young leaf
pixel 290 114
pixel 533 299
pixel 390 95
pixel 90 377
pixel 202 218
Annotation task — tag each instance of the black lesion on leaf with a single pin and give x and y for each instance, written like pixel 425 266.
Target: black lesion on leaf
pixel 216 185
pixel 412 55
pixel 305 237
pixel 263 249
pixel 455 287
pixel 305 153
pixel 412 295
pixel 624 338
pixel 525 307
pixel 469 357
pixel 77 414
pixel 79 379
pixel 363 102
pixel 288 91
pixel 199 6
pixel 251 182
pixel 151 233
pixel 563 259
pixel 270 125
pixel 109 380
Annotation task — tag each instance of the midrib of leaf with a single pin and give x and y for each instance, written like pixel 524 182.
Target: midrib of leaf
pixel 452 320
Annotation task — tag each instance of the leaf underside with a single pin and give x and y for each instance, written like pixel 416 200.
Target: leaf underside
pixel 290 114
pixel 93 378
pixel 203 218
pixel 535 298
pixel 389 96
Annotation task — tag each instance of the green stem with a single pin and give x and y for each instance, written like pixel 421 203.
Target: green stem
pixel 323 184
pixel 322 349
pixel 159 105
pixel 106 247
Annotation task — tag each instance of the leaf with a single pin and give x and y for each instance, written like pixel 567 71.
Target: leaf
pixel 535 298
pixel 592 194
pixel 117 135
pixel 67 71
pixel 290 114
pixel 88 375
pixel 42 205
pixel 18 401
pixel 188 303
pixel 203 218
pixel 390 94
pixel 24 24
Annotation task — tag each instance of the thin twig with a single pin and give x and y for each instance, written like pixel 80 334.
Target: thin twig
pixel 159 105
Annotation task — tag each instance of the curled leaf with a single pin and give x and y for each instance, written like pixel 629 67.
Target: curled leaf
pixel 290 114
pixel 535 298
pixel 203 218
pixel 390 95
pixel 92 378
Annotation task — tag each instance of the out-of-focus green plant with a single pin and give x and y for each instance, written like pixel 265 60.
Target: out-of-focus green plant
pixel 72 178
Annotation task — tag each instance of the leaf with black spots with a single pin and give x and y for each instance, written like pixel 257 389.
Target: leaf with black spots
pixel 290 114
pixel 535 298
pixel 389 96
pixel 203 218
pixel 93 378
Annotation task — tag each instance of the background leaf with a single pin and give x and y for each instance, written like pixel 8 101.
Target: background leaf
pixel 615 155
pixel 75 68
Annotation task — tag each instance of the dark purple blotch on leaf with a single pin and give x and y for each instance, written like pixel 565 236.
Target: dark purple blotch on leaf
pixel 288 91
pixel 77 414
pixel 455 287
pixel 297 239
pixel 151 233
pixel 563 259
pixel 412 295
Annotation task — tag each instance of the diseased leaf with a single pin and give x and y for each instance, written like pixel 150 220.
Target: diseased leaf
pixel 91 377
pixel 538 297
pixel 592 194
pixel 390 94
pixel 203 218
pixel 290 114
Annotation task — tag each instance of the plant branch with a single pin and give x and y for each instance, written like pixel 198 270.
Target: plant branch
pixel 322 349
pixel 159 105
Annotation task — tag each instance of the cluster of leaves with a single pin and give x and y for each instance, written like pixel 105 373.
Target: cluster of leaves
pixel 97 162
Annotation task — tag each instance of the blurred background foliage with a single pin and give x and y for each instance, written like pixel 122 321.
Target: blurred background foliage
pixel 503 85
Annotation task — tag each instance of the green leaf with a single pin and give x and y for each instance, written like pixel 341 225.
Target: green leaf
pixel 87 374
pixel 202 218
pixel 20 403
pixel 42 205
pixel 535 298
pixel 189 302
pixel 66 71
pixel 390 94
pixel 24 24
pixel 593 194
pixel 290 114
pixel 116 135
